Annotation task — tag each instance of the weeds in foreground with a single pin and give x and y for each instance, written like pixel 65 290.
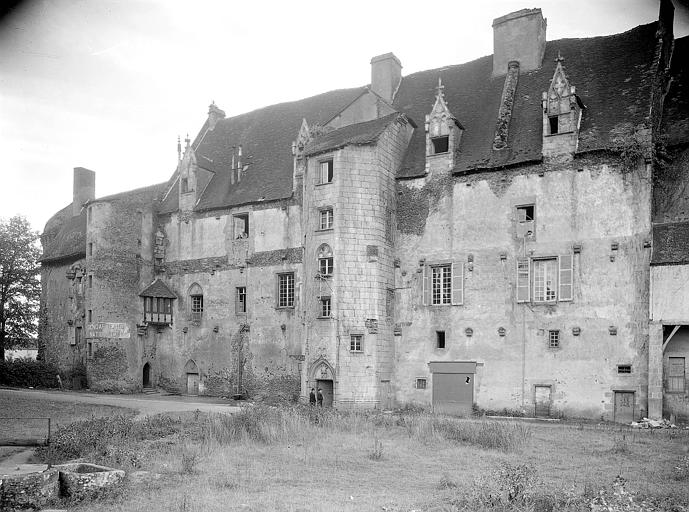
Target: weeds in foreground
pixel 680 471
pixel 377 452
pixel 620 445
pixel 189 457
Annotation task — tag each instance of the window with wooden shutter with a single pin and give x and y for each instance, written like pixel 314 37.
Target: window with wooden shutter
pixel 566 277
pixel 676 375
pixel 426 286
pixel 523 279
pixel 457 284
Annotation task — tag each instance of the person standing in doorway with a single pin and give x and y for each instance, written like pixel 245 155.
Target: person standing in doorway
pixel 320 397
pixel 312 397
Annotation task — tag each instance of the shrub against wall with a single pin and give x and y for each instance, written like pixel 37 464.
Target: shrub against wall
pixel 25 373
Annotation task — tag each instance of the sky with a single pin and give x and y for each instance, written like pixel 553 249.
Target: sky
pixel 110 84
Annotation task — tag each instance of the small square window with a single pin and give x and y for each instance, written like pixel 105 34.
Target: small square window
pixel 325 218
pixel 324 307
pixel 325 172
pixel 624 368
pixel 241 226
pixel 420 383
pixel 356 342
pixel 240 304
pixel 440 339
pixel 553 339
pixel 441 144
pixel 526 213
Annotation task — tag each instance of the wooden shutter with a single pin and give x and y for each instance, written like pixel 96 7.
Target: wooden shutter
pixel 426 286
pixel 566 277
pixel 457 284
pixel 523 280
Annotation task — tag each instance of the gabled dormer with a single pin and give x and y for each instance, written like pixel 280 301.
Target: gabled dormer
pixel 562 111
pixel 187 178
pixel 443 135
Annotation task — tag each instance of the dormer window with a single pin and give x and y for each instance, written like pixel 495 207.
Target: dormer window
pixel 185 185
pixel 441 144
pixel 554 124
pixel 157 299
pixel 443 133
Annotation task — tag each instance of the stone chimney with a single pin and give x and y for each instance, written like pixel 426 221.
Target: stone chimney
pixel 519 36
pixel 215 113
pixel 84 188
pixel 386 73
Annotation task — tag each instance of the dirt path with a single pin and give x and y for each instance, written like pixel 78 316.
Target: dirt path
pixel 145 404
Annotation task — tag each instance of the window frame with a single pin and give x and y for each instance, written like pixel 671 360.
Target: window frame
pixel 289 294
pixel 443 285
pixel 554 338
pixel 330 220
pixel 157 307
pixel 543 261
pixel 326 260
pixel 624 369
pixel 441 336
pixel 680 377
pixel 329 173
pixel 356 340
pixel 456 283
pixel 245 234
pixel 239 303
pixel 321 306
pixel 421 379
pixel 446 139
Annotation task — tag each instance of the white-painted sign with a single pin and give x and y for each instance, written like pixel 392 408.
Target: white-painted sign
pixel 107 330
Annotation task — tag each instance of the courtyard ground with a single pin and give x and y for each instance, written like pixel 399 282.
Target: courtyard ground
pixel 303 459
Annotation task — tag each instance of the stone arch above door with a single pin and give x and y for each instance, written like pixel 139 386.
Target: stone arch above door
pixel 191 367
pixel 321 369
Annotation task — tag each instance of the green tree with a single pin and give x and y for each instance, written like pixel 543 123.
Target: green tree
pixel 20 287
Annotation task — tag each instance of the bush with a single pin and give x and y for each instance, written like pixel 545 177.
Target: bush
pixel 28 373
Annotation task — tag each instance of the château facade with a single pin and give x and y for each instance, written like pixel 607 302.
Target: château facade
pixel 503 233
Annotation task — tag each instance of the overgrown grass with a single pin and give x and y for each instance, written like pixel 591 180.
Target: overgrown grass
pixel 307 458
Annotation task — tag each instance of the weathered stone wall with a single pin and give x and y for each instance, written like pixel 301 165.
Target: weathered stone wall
pixel 119 261
pixel 61 311
pixel 255 352
pixel 472 219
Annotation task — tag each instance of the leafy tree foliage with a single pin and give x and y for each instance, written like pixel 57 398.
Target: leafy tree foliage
pixel 20 287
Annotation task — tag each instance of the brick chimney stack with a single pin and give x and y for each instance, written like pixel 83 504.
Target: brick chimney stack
pixel 84 188
pixel 386 73
pixel 519 36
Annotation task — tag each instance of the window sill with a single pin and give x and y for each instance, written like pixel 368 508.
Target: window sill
pixel 438 154
pixel 356 351
pixel 326 230
pixel 324 317
pixel 322 184
pixel 558 133
pixel 284 307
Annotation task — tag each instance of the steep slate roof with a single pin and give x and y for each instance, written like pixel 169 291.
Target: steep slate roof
pixel 675 120
pixel 612 76
pixel 670 243
pixel 353 134
pixel 266 137
pixel 64 236
pixel 158 289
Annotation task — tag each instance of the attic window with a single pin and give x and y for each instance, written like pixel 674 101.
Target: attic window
pixel 554 124
pixel 526 213
pixel 441 144
pixel 241 226
pixel 325 174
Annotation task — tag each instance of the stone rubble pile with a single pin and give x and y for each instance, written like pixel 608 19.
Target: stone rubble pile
pixel 648 423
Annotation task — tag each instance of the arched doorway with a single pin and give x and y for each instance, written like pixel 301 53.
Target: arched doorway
pixel 147 375
pixel 192 375
pixel 323 378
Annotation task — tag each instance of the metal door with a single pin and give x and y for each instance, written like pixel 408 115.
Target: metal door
pixel 542 401
pixel 453 393
pixel 192 383
pixel 624 407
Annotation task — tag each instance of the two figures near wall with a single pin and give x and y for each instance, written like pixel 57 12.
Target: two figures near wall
pixel 313 397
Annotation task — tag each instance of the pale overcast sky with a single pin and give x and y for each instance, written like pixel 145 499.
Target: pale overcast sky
pixel 110 84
